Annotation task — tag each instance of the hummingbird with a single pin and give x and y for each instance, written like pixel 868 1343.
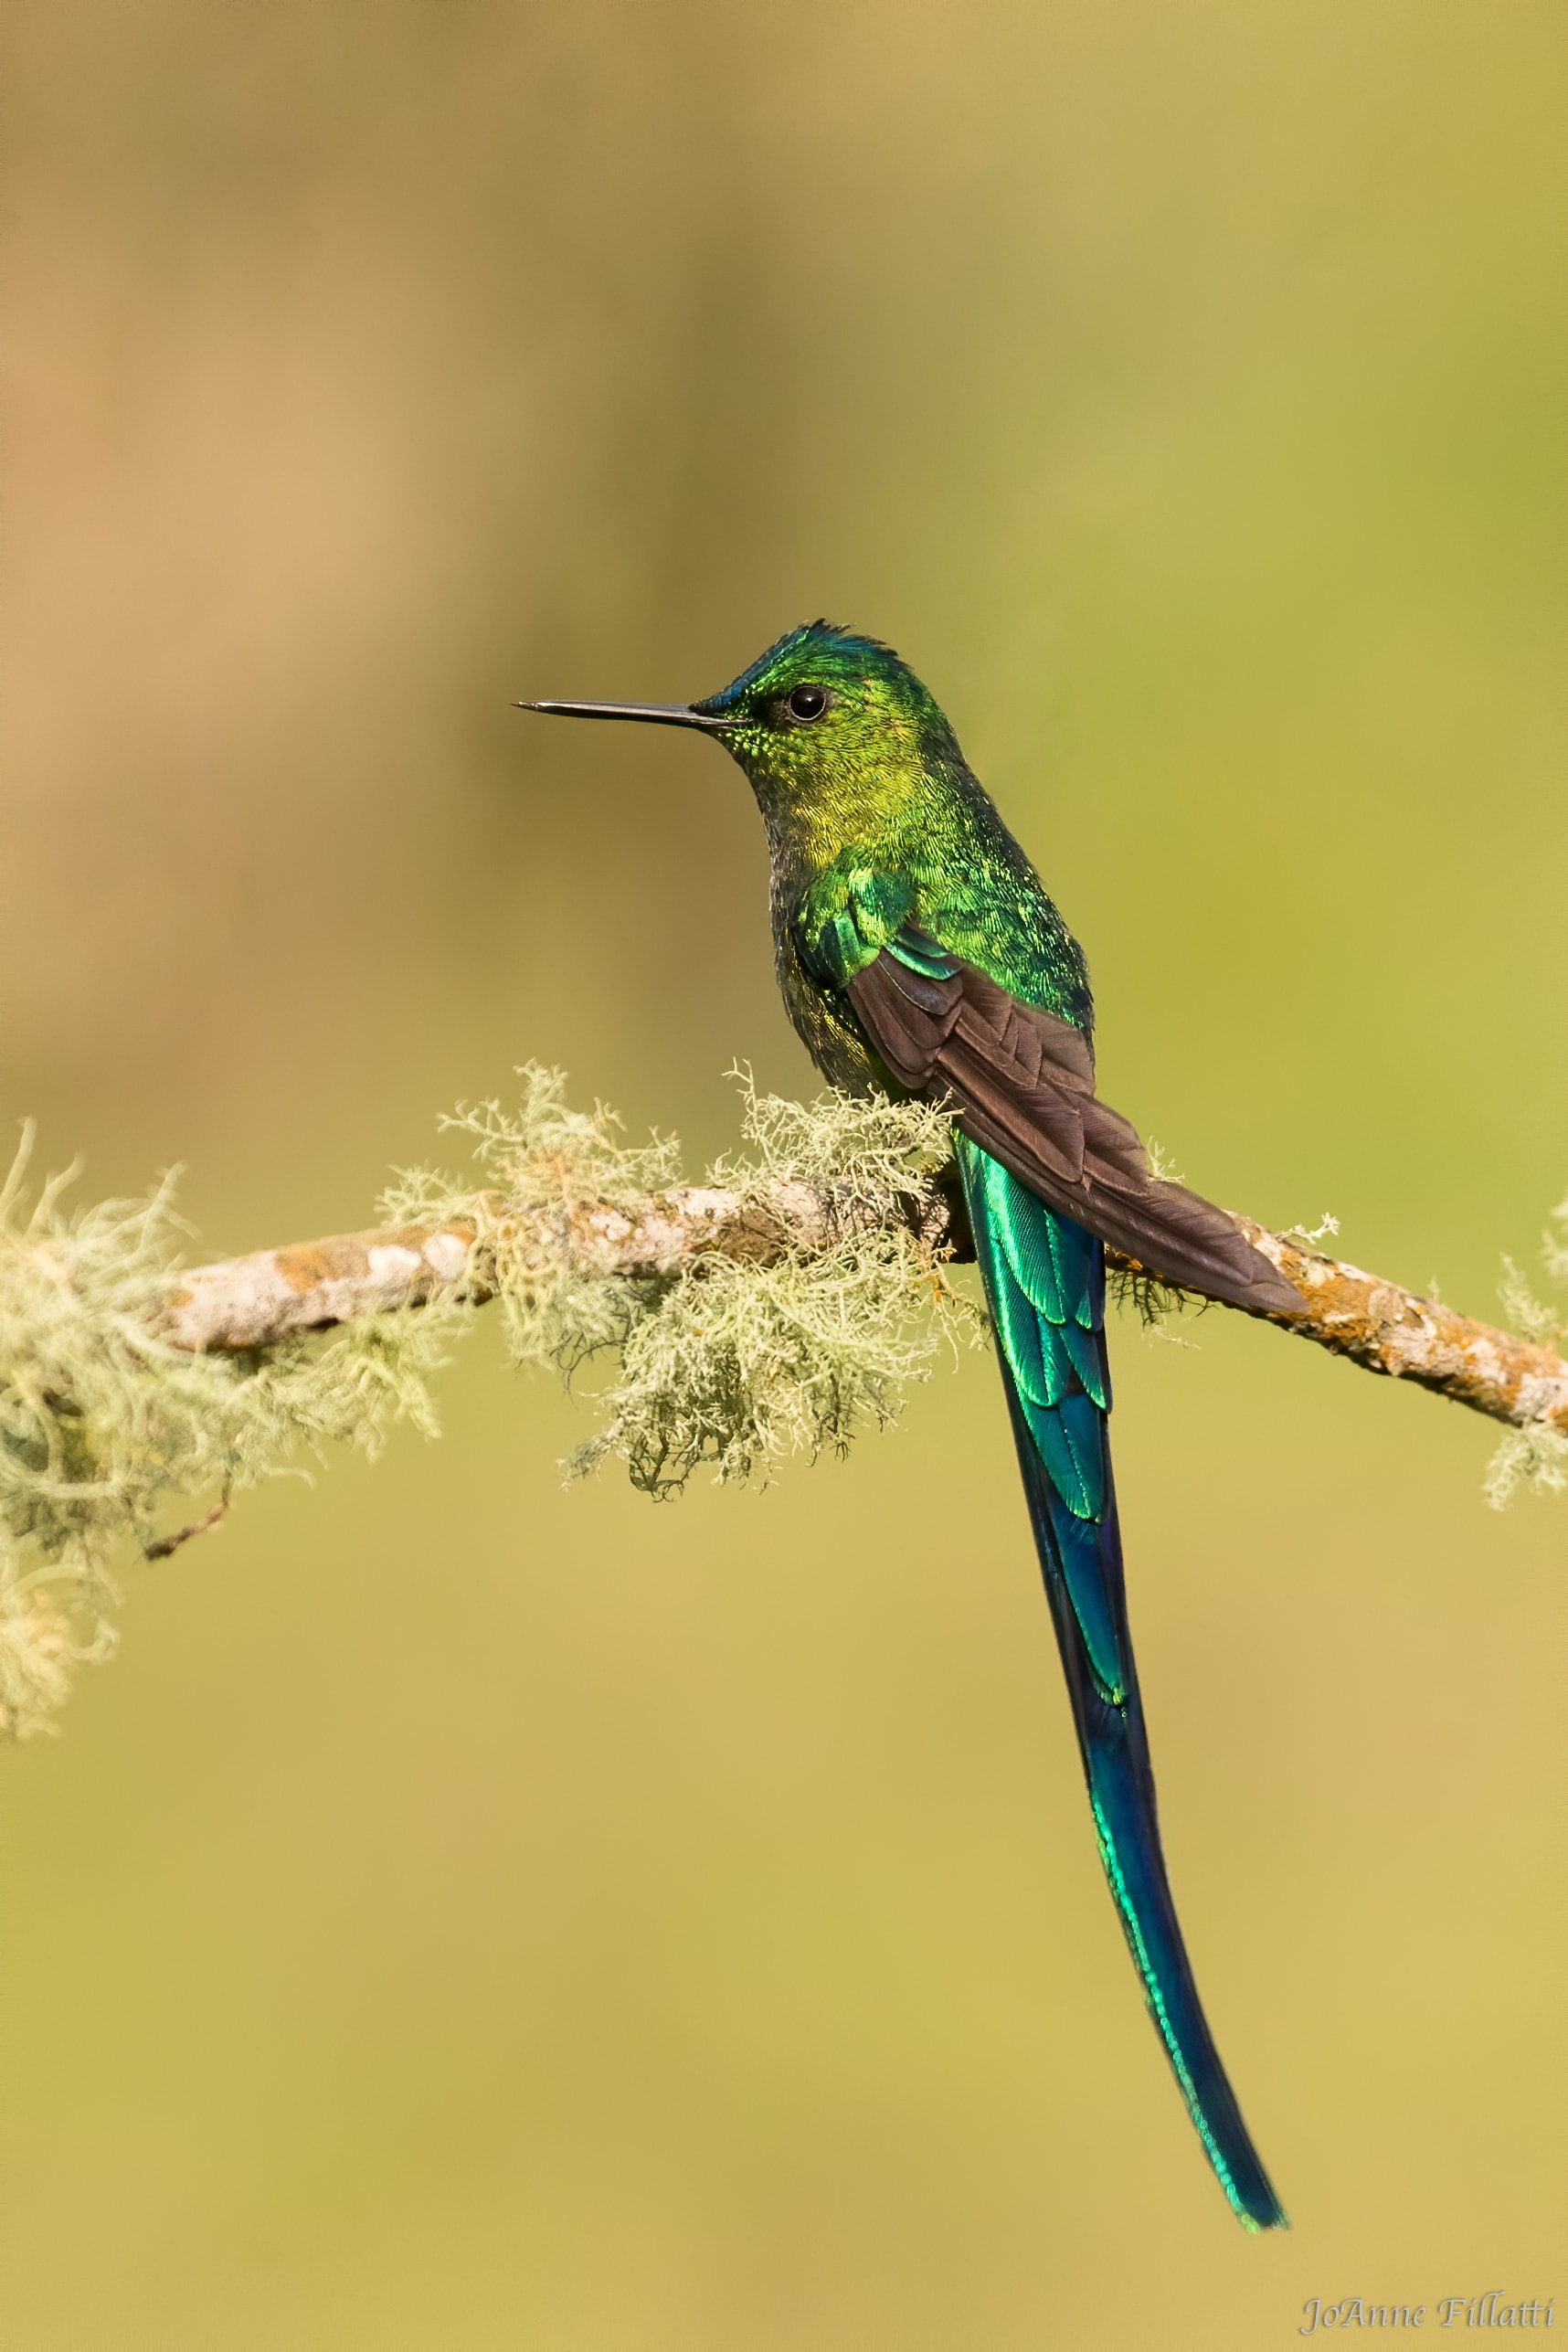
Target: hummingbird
pixel 918 954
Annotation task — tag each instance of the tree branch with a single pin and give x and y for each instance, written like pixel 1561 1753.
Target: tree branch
pixel 256 1301
pixel 777 1308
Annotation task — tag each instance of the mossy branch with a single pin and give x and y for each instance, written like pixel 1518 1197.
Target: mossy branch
pixel 777 1308
pixel 254 1301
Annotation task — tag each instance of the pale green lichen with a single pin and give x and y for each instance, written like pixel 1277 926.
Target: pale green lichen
pixel 739 1365
pixel 1532 1460
pixel 109 1434
pixel 1310 1236
pixel 539 1162
pixel 104 1426
pixel 38 1650
pixel 1525 1312
pixel 1554 1245
pixel 721 1362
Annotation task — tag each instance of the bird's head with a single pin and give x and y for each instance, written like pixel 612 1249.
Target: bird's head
pixel 823 713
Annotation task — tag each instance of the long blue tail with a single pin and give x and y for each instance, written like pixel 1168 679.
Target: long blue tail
pixel 1044 1281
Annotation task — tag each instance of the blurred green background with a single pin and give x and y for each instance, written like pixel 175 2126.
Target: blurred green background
pixel 470 1914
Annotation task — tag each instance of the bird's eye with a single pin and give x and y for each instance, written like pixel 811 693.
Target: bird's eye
pixel 807 702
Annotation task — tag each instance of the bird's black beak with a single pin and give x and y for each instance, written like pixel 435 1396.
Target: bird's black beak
pixel 656 714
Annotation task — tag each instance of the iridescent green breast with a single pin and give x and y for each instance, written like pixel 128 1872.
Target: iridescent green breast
pixel 945 863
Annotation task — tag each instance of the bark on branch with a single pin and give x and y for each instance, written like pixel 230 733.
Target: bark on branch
pixel 273 1295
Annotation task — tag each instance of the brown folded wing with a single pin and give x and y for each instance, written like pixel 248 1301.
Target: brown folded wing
pixel 1020 1083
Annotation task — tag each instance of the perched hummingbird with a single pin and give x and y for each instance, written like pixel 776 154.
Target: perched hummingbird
pixel 918 954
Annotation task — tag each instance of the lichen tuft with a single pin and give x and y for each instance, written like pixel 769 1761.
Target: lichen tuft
pixel 737 1365
pixel 731 1365
pixel 1535 1460
pixel 1527 1460
pixel 109 1433
pixel 105 1427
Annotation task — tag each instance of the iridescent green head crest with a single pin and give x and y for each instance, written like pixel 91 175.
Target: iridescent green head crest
pixel 823 702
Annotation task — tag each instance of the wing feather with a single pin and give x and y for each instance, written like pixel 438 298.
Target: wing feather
pixel 1020 1083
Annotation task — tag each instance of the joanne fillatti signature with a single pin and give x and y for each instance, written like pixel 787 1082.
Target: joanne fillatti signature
pixel 1454 2311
